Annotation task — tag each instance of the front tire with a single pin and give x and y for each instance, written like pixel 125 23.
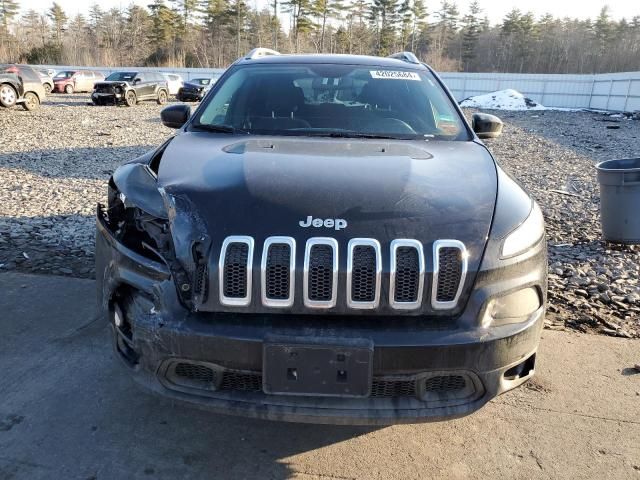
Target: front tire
pixel 8 96
pixel 31 101
pixel 68 88
pixel 130 98
pixel 162 97
pixel 47 88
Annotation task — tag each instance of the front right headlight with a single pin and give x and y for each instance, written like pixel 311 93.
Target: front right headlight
pixel 526 235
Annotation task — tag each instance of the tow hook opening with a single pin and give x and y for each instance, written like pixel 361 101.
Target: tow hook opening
pixel 522 370
pixel 124 334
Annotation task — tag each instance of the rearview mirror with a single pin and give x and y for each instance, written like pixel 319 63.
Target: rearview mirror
pixel 175 116
pixel 486 126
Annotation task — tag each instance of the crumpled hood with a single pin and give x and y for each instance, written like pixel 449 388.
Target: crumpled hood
pixel 262 186
pixel 120 83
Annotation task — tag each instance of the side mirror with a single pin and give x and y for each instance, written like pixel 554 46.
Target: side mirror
pixel 136 81
pixel 175 116
pixel 486 126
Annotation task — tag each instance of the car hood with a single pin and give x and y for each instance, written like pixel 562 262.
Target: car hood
pixel 193 85
pixel 262 186
pixel 112 82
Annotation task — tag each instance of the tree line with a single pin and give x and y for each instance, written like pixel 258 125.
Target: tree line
pixel 213 33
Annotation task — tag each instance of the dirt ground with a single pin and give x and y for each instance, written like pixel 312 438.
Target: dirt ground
pixel 68 410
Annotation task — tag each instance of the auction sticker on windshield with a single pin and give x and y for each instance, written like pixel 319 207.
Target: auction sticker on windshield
pixel 394 75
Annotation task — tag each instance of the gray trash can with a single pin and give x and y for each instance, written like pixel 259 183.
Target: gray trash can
pixel 620 200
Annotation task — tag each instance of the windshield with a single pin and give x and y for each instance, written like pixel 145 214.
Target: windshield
pixel 64 75
pixel 332 100
pixel 122 76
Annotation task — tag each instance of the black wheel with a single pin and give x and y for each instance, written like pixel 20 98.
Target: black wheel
pixel 130 98
pixel 47 88
pixel 162 97
pixel 68 88
pixel 31 101
pixel 8 96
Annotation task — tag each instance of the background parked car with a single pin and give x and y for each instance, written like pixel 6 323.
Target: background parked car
pixel 69 81
pixel 47 81
pixel 129 88
pixel 32 91
pixel 174 81
pixel 195 90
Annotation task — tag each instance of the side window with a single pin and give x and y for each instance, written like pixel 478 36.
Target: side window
pixel 216 110
pixel 29 74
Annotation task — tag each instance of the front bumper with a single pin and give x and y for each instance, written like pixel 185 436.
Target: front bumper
pixel 189 96
pixel 159 334
pixel 106 97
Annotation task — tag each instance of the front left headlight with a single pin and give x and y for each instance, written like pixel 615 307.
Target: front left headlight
pixel 526 235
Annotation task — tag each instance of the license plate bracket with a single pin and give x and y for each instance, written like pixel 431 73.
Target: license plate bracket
pixel 327 368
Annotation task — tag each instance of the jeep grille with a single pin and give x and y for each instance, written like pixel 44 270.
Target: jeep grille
pixel 364 280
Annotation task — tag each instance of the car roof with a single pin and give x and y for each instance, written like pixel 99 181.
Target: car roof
pixel 338 59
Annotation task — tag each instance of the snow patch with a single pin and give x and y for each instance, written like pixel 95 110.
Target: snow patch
pixel 502 100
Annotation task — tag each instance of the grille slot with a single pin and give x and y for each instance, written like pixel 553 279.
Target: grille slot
pixel 200 281
pixel 235 271
pixel 407 274
pixel 278 271
pixel 449 272
pixel 321 272
pixel 364 267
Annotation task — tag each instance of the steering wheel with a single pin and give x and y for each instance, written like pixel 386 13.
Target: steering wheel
pixel 389 125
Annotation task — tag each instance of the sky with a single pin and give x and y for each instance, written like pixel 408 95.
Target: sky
pixel 495 10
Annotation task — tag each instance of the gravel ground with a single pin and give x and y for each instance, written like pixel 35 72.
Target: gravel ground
pixel 55 163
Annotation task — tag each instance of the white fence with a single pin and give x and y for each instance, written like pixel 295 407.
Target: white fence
pixel 607 91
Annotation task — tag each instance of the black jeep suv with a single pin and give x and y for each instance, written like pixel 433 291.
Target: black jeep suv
pixel 324 240
pixel 129 88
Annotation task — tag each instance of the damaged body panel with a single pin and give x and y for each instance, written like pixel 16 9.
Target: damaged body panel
pixel 302 273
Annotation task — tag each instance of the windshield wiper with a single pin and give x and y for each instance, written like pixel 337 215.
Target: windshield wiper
pixel 347 134
pixel 218 128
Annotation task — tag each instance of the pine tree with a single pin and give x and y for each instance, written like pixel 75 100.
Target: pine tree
pixel 8 10
pixel 384 14
pixel 470 34
pixel 59 20
pixel 326 9
pixel 237 14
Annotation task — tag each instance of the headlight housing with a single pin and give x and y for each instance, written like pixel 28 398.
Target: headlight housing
pixel 526 235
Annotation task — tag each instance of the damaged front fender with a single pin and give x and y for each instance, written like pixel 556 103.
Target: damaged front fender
pixel 138 187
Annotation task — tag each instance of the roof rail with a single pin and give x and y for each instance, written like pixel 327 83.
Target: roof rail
pixel 260 52
pixel 405 57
